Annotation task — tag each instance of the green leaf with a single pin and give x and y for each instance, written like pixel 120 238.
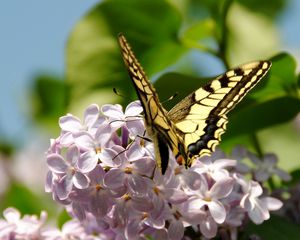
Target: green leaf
pixel 281 80
pixel 176 83
pixel 295 178
pixel 276 228
pixel 264 7
pixel 250 119
pixel 62 218
pixel 93 56
pixel 20 197
pixel 200 35
pixel 6 148
pixel 50 98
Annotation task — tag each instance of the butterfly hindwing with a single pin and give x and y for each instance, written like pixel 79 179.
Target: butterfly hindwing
pixel 201 117
pixel 158 126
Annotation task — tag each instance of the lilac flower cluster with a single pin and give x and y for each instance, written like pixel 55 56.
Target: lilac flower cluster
pixel 103 170
pixel 13 227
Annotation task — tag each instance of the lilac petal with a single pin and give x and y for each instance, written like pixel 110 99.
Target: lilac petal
pixel 222 188
pixel 175 196
pixel 56 163
pixel 138 184
pixel 242 168
pixel 66 139
pixel 217 211
pixel 112 111
pixel 158 207
pixel 135 127
pixel 144 166
pixel 217 154
pixel 87 161
pixel 72 155
pixel 256 189
pixel 109 158
pixel 142 204
pixel 219 174
pixel 246 203
pixel 114 178
pixel 103 134
pixel 12 215
pixel 81 195
pixel 270 159
pixel 64 187
pixel 272 204
pixel 194 204
pixel 133 109
pixel 222 163
pixel 282 174
pixel 203 186
pixel 84 140
pixel 254 158
pixel 176 230
pixel 156 223
pixel 91 115
pixel 192 179
pixel 49 182
pixel 80 180
pixel 209 227
pixel 132 229
pixel 239 152
pixel 115 124
pixel 261 175
pixel 78 211
pixel 135 152
pixel 97 175
pixel 70 123
pixel 101 204
pixel 259 213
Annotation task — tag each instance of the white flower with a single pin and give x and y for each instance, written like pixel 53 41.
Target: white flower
pixel 214 168
pixel 257 208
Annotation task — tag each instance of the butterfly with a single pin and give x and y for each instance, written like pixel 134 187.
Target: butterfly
pixel 193 127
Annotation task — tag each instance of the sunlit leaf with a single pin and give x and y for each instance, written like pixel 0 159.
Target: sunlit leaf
pixel 200 35
pixel 250 36
pixel 93 57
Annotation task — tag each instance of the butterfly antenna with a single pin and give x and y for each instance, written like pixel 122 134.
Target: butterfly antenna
pixel 129 145
pixel 119 94
pixel 171 97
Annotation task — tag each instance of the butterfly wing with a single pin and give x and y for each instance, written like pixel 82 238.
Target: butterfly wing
pixel 158 125
pixel 201 119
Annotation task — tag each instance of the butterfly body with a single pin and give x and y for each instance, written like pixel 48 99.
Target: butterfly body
pixel 194 126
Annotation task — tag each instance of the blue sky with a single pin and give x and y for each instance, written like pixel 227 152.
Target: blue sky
pixel 33 36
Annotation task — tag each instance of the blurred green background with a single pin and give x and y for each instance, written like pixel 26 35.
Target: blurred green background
pixel 60 56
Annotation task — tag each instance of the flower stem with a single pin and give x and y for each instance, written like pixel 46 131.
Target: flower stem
pixel 256 145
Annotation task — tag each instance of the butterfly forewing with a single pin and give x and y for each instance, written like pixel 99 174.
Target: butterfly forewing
pixel 159 127
pixel 201 119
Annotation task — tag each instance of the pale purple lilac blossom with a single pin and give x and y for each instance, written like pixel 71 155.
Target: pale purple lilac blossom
pixel 32 227
pixel 104 171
